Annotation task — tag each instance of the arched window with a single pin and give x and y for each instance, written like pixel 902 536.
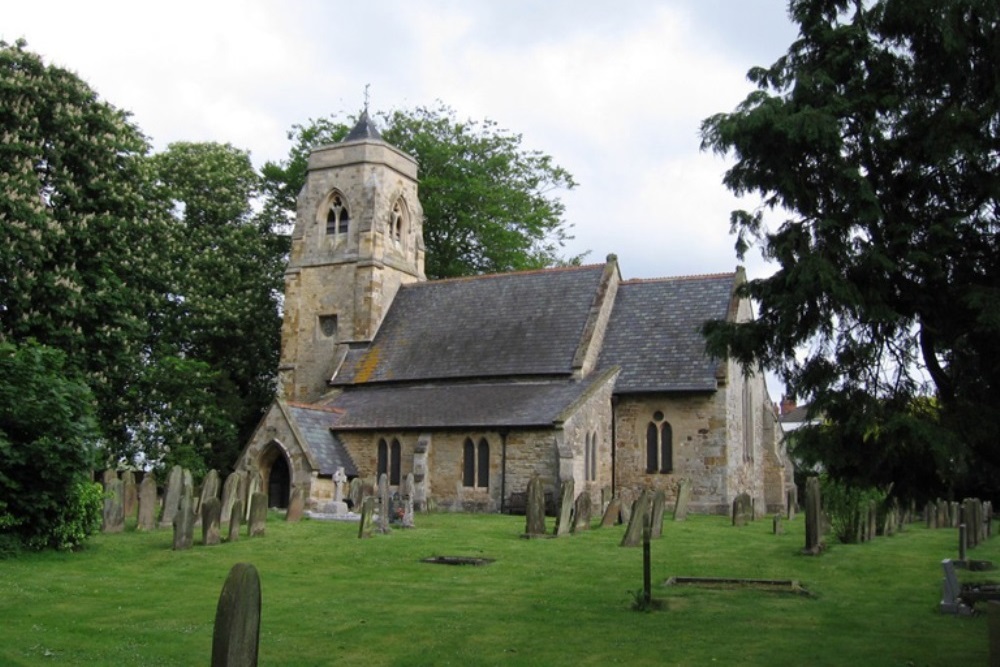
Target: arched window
pixel 483 479
pixel 394 458
pixel 397 222
pixel 338 218
pixel 383 458
pixel 586 458
pixel 593 457
pixel 666 448
pixel 469 463
pixel 652 448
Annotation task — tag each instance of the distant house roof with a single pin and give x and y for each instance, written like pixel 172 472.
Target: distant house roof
pixel 655 333
pixel 314 425
pixel 460 405
pixel 506 325
pixel 797 414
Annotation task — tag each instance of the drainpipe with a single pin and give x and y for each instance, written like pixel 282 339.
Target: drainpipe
pixel 614 445
pixel 503 471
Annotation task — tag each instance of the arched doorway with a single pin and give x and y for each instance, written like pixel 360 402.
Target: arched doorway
pixel 277 476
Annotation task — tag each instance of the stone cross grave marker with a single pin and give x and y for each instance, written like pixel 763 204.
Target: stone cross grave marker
pixel 339 482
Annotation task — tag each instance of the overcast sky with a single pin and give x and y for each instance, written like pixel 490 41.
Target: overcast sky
pixel 614 91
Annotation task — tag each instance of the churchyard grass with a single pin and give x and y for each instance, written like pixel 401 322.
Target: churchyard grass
pixel 332 599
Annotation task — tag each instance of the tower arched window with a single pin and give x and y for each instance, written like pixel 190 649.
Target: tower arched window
pixel 338 218
pixel 397 222
pixel 659 445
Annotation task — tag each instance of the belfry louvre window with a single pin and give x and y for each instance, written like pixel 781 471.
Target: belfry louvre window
pixel 476 463
pixel 659 445
pixel 338 219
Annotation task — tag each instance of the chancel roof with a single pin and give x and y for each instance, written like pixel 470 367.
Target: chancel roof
pixel 314 424
pixel 654 334
pixel 505 325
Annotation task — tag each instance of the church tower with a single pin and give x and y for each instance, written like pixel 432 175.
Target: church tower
pixel 358 236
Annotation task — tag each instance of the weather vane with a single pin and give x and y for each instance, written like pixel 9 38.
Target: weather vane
pixel 367 86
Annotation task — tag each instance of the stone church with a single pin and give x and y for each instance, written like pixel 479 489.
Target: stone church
pixel 477 384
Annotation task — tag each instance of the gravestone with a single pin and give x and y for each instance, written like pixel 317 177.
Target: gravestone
pixel 953 511
pixel 564 518
pixel 969 513
pixel 814 538
pixel 383 504
pixel 255 484
pixel 683 499
pixel 130 494
pixel 637 521
pixel 627 501
pixel 581 513
pixel 776 527
pixel 930 514
pixel 184 521
pixel 236 636
pixel 872 519
pixel 296 505
pixel 742 509
pixel 656 518
pixel 172 495
pixel 942 514
pixel 791 502
pixel 535 510
pixel 409 487
pixel 606 497
pixel 211 510
pixel 258 515
pixel 230 494
pixel 113 517
pixel 365 525
pixel 147 503
pixel 611 513
pixel 339 482
pixel 354 493
pixel 209 487
pixel 235 519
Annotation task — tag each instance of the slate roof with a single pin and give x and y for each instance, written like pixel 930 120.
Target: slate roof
pixel 363 129
pixel 329 452
pixel 459 405
pixel 654 334
pixel 507 325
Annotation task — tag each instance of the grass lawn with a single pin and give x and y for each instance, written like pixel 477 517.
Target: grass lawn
pixel 332 599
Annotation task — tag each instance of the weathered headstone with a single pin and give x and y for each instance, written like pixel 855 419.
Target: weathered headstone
pixel 930 514
pixel 611 513
pixel 683 499
pixel 791 502
pixel 581 512
pixel 535 510
pixel 113 517
pixel 564 518
pixel 236 636
pixel 383 504
pixel 258 515
pixel 255 484
pixel 130 494
pixel 172 495
pixel 211 510
pixel 108 476
pixel 942 514
pixel 814 538
pixel 230 494
pixel 627 501
pixel 656 515
pixel 354 493
pixel 742 509
pixel 637 520
pixel 184 521
pixel 954 508
pixel 147 503
pixel 776 527
pixel 209 487
pixel 235 519
pixel 409 487
pixel 365 525
pixel 606 497
pixel 296 505
pixel 872 519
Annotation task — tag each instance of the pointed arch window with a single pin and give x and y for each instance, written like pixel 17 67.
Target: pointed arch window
pixel 388 460
pixel 382 464
pixel 659 445
pixel 590 458
pixel 394 465
pixel 476 463
pixel 338 218
pixel 398 222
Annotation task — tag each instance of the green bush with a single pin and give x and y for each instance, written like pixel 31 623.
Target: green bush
pixel 846 507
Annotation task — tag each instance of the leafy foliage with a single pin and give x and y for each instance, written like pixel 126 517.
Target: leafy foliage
pixel 488 201
pixel 847 507
pixel 47 447
pixel 879 133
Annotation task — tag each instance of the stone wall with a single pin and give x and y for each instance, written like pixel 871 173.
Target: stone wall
pixel 590 416
pixel 273 438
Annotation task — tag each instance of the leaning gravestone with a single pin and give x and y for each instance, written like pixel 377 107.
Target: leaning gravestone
pixel 211 510
pixel 255 484
pixel 628 500
pixel 184 521
pixel 612 512
pixel 130 494
pixel 383 504
pixel 409 486
pixel 656 518
pixel 365 525
pixel 236 636
pixel 172 495
pixel 296 506
pixel 564 520
pixel 258 515
pixel 113 517
pixel 683 499
pixel 581 512
pixel 235 518
pixel 535 510
pixel 742 509
pixel 814 542
pixel 637 520
pixel 147 503
pixel 230 494
pixel 354 494
pixel 209 487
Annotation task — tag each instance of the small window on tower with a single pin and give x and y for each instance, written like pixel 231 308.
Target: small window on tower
pixel 337 218
pixel 397 222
